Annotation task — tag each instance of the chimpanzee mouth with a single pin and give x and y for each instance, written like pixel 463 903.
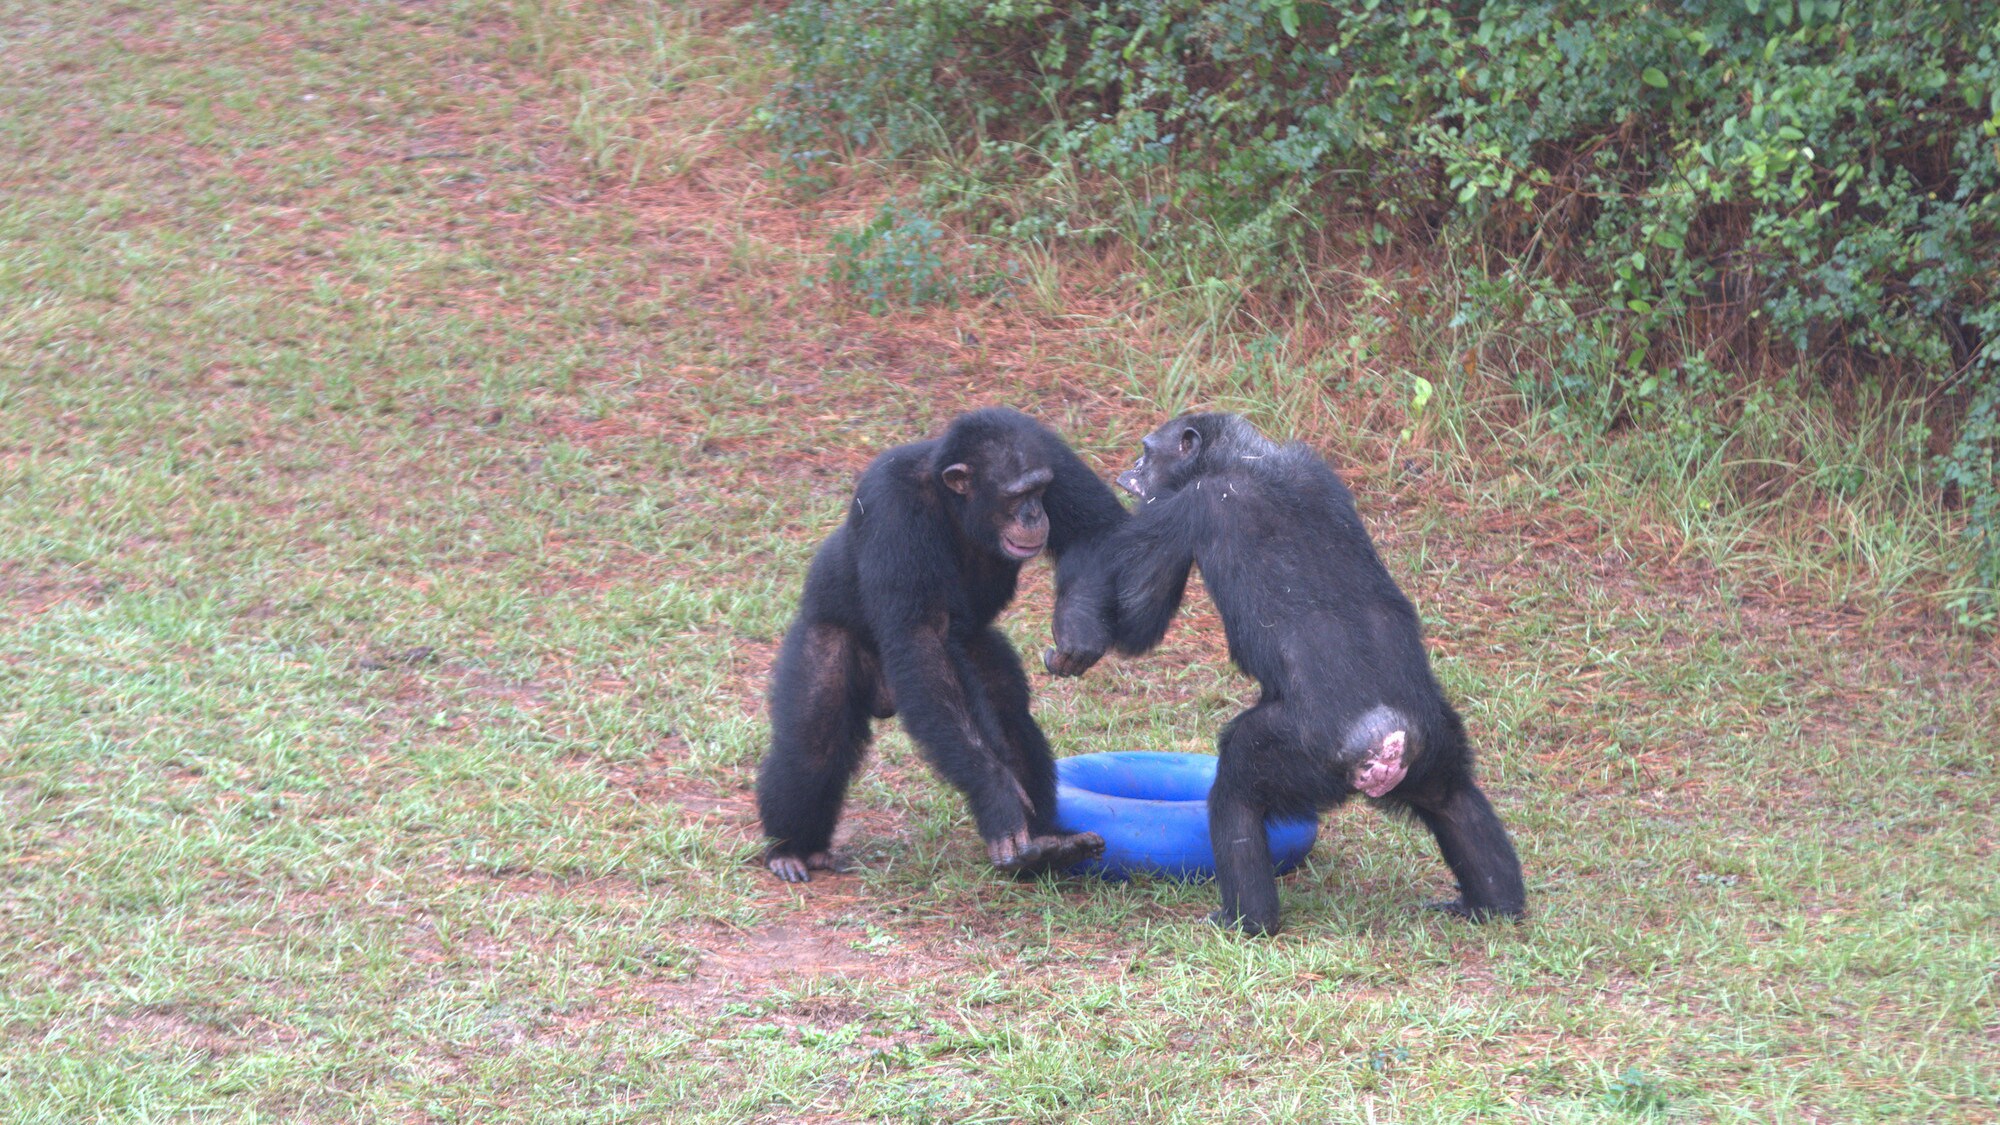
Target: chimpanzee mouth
pixel 1129 481
pixel 1023 551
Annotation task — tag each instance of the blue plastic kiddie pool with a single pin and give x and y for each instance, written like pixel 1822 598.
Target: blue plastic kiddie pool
pixel 1152 810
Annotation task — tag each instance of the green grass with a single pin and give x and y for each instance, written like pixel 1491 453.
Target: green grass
pixel 403 485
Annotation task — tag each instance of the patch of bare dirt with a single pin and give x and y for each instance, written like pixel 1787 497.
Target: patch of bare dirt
pixel 787 951
pixel 26 594
pixel 149 1029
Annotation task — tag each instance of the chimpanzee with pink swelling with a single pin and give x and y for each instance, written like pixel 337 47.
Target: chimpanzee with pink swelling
pixel 1348 702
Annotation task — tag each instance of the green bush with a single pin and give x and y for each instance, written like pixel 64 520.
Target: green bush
pixel 894 258
pixel 1673 194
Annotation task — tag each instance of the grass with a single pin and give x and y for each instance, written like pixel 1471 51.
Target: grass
pixel 414 425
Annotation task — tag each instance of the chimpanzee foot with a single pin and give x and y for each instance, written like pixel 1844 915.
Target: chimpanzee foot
pixel 797 869
pixel 1244 925
pixel 1054 853
pixel 1458 909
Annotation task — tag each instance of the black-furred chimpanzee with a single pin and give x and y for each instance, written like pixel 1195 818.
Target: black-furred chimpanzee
pixel 1348 703
pixel 897 617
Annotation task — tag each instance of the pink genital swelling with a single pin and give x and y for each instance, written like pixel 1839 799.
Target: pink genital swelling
pixel 1384 769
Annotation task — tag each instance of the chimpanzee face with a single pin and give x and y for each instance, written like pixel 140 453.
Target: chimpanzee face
pixel 1003 510
pixel 1167 460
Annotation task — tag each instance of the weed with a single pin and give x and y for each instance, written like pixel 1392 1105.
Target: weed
pixel 1635 1092
pixel 893 259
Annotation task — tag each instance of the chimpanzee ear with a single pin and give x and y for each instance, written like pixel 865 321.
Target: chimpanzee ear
pixel 958 478
pixel 1190 441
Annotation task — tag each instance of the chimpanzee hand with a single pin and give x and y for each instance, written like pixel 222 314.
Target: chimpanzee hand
pixel 1012 849
pixel 1086 606
pixel 1070 661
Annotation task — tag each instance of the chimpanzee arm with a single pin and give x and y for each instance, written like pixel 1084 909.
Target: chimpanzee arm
pixel 910 585
pixel 1152 556
pixel 1083 517
pixel 1082 509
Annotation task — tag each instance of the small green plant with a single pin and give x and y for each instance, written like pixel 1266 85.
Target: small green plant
pixel 1381 1060
pixel 1420 397
pixel 893 260
pixel 1635 1092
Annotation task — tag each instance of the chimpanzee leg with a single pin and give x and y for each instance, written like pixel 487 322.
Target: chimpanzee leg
pixel 1250 745
pixel 821 694
pixel 1027 756
pixel 1477 850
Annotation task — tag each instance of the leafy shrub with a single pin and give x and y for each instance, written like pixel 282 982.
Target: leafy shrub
pixel 893 258
pixel 1672 195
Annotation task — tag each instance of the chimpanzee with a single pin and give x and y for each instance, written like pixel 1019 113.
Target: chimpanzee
pixel 898 618
pixel 1348 702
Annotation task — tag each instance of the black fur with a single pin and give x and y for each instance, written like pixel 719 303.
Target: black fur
pixel 1312 614
pixel 897 617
